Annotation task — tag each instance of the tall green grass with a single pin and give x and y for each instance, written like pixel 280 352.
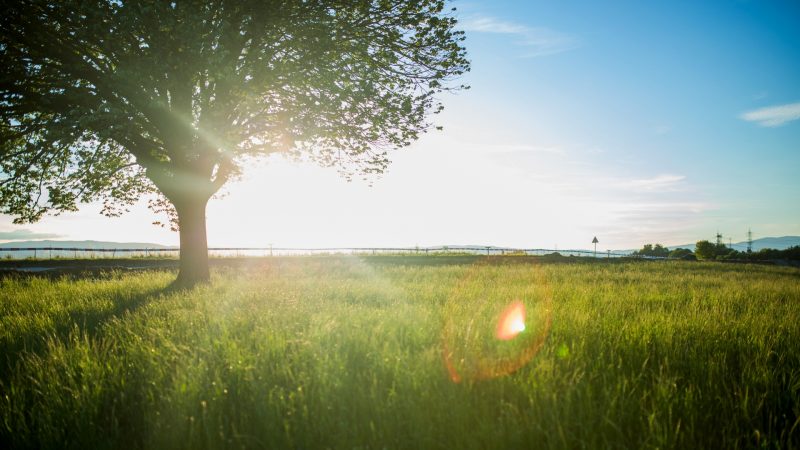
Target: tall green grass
pixel 344 352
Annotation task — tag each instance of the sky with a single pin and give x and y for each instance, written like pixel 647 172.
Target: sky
pixel 636 122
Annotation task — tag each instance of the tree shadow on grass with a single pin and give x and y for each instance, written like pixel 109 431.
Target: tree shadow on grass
pixel 87 322
pixel 116 416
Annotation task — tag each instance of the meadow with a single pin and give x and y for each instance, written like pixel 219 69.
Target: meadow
pixel 398 352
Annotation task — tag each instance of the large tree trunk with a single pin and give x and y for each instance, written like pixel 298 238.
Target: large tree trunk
pixel 194 243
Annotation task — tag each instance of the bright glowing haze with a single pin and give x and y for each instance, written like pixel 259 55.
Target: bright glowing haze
pixel 634 123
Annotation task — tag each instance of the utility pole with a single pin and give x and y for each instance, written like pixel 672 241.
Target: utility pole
pixel 749 241
pixel 719 239
pixel 595 241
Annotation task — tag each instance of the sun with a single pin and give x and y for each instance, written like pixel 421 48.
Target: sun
pixel 511 322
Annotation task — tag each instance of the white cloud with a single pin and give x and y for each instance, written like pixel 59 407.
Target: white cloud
pixel 659 183
pixel 580 198
pixel 773 116
pixel 538 41
pixel 522 148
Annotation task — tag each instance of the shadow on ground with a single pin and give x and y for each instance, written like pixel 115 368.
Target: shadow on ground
pixel 87 322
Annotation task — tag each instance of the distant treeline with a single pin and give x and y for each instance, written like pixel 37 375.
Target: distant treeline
pixel 710 251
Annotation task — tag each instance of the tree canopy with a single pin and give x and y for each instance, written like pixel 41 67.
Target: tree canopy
pixel 107 100
pixel 649 250
pixel 711 251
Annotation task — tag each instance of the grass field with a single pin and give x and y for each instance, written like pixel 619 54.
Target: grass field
pixel 345 352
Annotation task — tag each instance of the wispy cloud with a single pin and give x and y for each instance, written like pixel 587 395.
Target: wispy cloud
pixel 773 116
pixel 658 183
pixel 21 235
pixel 537 41
pixel 523 148
pixel 667 222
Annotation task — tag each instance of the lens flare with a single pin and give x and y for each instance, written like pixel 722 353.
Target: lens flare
pixel 496 319
pixel 512 322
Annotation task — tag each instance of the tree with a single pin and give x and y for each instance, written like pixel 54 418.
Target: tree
pixel 708 250
pixel 649 250
pixel 114 99
pixel 766 254
pixel 705 250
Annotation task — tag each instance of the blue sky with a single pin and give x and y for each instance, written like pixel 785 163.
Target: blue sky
pixel 632 121
pixel 659 91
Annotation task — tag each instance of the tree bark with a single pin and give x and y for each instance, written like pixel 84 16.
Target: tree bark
pixel 194 242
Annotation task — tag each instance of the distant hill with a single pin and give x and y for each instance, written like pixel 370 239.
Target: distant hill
pixel 778 243
pixel 82 244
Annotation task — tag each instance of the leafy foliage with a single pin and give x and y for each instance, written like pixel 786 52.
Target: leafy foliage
pixel 110 100
pixel 682 253
pixel 649 250
pixel 791 254
pixel 707 250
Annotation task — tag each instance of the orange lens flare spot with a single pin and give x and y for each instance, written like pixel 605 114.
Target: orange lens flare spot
pixel 511 322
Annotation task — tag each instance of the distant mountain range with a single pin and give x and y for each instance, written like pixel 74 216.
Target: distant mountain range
pixel 82 244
